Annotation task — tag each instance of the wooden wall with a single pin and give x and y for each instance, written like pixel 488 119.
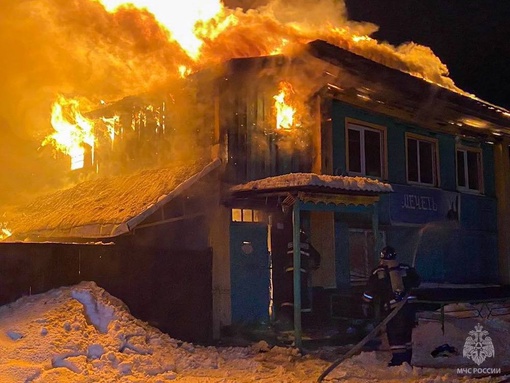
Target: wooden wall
pixel 171 290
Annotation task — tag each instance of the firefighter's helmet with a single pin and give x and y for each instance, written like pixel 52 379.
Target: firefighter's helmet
pixel 388 252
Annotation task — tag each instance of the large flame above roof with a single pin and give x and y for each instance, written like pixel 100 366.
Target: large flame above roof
pixel 95 50
pixel 210 32
pixel 154 42
pixel 181 18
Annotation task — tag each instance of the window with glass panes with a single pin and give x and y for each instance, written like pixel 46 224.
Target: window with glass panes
pixel 469 169
pixel 365 150
pixel 421 160
pixel 248 215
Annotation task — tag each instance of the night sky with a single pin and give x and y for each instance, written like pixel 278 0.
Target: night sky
pixel 472 37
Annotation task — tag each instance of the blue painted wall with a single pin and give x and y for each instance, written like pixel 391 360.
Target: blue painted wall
pixel 436 245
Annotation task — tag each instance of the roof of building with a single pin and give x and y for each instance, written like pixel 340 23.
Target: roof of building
pixel 105 207
pixel 338 184
pixel 324 68
pixel 368 84
pixel 315 189
pixel 448 105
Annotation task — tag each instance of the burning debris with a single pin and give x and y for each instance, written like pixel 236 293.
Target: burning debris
pixel 73 133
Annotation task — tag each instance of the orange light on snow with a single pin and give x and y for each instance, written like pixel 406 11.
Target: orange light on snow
pixel 285 112
pixel 72 131
pixel 181 18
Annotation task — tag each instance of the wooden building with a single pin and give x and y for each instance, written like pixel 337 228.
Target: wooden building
pixel 372 156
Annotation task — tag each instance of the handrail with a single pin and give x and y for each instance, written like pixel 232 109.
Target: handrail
pixel 484 302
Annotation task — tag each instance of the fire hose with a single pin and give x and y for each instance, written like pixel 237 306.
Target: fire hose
pixel 371 335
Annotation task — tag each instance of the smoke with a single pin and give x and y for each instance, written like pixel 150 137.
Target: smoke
pixel 78 49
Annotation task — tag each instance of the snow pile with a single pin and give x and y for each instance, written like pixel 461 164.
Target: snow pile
pixel 82 334
pixel 438 346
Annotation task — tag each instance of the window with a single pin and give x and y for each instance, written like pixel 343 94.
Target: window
pixel 469 169
pixel 362 258
pixel 422 160
pixel 365 150
pixel 247 215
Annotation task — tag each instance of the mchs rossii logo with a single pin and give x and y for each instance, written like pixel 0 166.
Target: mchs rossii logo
pixel 478 347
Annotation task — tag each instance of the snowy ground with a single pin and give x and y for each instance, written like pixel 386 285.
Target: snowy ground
pixel 83 334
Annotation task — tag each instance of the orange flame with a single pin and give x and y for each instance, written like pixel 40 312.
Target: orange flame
pixel 5 233
pixel 110 124
pixel 184 71
pixel 183 19
pixel 285 112
pixel 72 131
pixel 209 32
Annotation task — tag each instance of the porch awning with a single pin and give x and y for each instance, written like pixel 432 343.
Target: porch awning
pixel 338 199
pixel 314 188
pixel 309 191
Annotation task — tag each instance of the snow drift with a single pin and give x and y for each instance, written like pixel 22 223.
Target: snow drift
pixel 83 334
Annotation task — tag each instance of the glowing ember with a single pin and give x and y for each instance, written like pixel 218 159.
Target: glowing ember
pixel 357 39
pixel 184 71
pixel 72 131
pixel 285 112
pixel 110 124
pixel 183 19
pixel 279 49
pixel 4 233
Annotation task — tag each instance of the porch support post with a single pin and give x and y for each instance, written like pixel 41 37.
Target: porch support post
pixel 375 229
pixel 296 226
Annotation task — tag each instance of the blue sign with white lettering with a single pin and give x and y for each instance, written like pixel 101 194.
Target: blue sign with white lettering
pixel 422 205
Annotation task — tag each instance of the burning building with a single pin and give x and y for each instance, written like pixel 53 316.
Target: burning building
pixel 357 151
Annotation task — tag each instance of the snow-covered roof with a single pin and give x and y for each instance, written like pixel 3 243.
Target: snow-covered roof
pixel 104 207
pixel 335 183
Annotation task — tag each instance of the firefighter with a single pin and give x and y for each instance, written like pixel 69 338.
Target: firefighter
pixel 310 260
pixel 387 285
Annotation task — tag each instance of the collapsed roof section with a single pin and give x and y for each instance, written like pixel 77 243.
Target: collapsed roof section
pixel 106 207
